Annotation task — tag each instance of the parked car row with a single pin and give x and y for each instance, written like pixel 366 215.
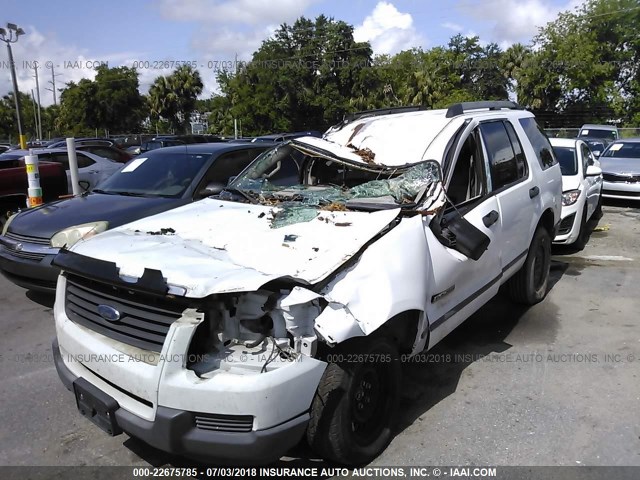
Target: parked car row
pixel 290 278
pixel 92 168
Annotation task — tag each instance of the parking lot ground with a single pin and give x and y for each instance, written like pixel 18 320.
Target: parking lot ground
pixel 555 384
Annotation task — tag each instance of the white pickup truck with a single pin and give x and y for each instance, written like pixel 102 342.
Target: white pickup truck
pixel 229 329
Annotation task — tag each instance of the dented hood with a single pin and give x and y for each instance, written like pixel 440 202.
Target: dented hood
pixel 214 246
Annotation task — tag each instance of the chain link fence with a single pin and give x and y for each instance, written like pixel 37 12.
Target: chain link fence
pixel 573 132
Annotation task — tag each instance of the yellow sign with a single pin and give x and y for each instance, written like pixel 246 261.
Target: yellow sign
pixel 31 169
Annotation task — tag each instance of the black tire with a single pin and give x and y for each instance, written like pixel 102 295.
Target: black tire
pixel 597 214
pixel 583 235
pixel 353 411
pixel 529 285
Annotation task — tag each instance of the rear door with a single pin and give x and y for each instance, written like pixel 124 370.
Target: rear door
pixel 513 188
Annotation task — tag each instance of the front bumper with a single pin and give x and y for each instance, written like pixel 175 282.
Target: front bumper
pixel 571 220
pixel 152 395
pixel 175 431
pixel 35 273
pixel 621 190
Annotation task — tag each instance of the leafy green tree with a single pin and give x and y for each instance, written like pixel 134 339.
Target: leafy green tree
pixel 120 105
pixel 111 102
pixel 173 98
pixel 586 64
pixel 302 78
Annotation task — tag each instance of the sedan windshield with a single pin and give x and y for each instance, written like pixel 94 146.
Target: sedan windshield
pixel 623 150
pixel 158 174
pixel 567 159
pixel 303 180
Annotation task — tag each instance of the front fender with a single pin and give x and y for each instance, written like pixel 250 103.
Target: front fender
pixel 390 277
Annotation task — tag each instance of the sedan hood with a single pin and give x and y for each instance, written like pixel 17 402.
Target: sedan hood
pixel 620 165
pixel 570 182
pixel 46 220
pixel 214 246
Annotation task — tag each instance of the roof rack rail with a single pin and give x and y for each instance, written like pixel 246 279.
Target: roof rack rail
pixel 382 111
pixel 459 108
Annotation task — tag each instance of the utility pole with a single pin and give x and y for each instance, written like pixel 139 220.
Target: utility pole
pixel 39 113
pixel 35 115
pixel 53 83
pixel 9 37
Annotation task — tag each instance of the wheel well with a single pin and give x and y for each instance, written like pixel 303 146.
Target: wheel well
pixel 402 329
pixel 548 221
pixel 11 203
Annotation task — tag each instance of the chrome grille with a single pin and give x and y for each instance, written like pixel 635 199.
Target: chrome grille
pixel 144 319
pixel 22 254
pixel 223 423
pixel 28 239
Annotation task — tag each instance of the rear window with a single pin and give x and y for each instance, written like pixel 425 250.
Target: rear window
pixel 567 159
pixel 539 142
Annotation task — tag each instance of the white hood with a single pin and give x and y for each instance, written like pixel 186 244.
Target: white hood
pixel 213 246
pixel 570 182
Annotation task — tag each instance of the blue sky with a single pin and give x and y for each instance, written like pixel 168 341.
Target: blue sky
pixel 72 34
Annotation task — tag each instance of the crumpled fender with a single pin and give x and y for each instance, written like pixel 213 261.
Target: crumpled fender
pixel 389 278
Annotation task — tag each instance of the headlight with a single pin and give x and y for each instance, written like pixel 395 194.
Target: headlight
pixel 570 197
pixel 69 236
pixel 6 225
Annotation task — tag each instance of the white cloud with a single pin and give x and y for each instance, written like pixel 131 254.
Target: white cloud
pixel 388 30
pixel 452 26
pixel 516 20
pixel 250 12
pixel 70 63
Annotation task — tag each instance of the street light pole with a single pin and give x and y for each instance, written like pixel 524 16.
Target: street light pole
pixel 14 33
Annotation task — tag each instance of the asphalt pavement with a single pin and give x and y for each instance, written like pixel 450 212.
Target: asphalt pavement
pixel 555 384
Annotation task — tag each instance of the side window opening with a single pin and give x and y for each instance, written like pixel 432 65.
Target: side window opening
pixel 228 165
pixel 539 142
pixel 521 161
pixel 505 166
pixel 587 158
pixel 467 179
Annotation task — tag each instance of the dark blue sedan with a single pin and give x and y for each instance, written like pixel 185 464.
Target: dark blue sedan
pixel 157 181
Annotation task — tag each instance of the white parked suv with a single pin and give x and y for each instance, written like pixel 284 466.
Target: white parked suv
pixel 229 329
pixel 581 190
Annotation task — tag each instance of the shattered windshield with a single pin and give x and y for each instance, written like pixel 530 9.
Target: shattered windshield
pixel 303 181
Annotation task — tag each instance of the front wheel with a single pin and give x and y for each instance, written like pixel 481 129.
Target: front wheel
pixel 353 411
pixel 529 285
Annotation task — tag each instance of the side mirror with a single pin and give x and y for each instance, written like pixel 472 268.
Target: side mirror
pixel 596 153
pixel 459 234
pixel 212 188
pixel 593 171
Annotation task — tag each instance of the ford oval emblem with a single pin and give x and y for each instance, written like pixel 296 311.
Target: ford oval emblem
pixel 109 313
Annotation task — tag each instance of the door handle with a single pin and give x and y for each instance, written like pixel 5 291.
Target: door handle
pixel 490 218
pixel 534 192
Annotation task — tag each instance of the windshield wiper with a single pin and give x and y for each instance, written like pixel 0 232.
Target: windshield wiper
pixel 97 190
pixel 246 195
pixel 130 194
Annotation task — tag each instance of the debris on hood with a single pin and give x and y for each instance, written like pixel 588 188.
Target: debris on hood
pixel 162 231
pixel 365 153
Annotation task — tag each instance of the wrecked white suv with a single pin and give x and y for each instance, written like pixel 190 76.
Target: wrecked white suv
pixel 229 329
